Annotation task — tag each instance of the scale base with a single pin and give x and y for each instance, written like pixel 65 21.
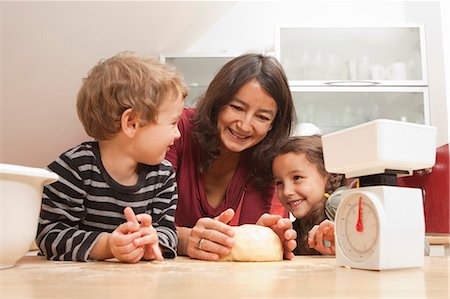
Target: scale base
pixel 401 229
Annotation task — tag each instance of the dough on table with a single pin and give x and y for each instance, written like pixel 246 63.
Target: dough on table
pixel 254 243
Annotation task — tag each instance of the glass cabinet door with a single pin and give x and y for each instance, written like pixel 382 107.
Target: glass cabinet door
pixel 353 56
pixel 335 108
pixel 198 71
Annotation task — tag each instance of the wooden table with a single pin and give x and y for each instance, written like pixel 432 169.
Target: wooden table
pixel 307 277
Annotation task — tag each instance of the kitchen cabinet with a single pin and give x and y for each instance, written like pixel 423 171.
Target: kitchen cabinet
pixel 336 108
pixel 198 70
pixel 344 76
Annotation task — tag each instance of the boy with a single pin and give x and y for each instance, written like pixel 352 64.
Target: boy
pixel 131 106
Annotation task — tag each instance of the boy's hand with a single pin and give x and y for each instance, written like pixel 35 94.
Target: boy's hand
pixel 121 243
pixel 283 228
pixel 148 239
pixel 320 234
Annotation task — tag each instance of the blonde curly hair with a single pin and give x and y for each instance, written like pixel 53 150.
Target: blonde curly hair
pixel 121 82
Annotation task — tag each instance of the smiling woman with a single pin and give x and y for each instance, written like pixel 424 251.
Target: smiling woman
pixel 247 119
pixel 222 159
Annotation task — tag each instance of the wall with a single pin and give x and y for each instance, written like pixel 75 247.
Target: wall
pixel 414 12
pixel 1 79
pixel 49 47
pixel 250 26
pixel 446 41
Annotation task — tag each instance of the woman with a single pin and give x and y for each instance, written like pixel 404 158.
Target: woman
pixel 222 159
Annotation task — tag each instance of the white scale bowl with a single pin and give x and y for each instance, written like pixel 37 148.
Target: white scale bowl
pixel 381 144
pixel 20 204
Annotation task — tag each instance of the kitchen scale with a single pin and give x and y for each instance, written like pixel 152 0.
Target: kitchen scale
pixel 380 225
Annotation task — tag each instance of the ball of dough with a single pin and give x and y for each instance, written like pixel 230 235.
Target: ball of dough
pixel 254 243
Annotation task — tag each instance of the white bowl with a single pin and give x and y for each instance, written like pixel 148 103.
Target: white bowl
pixel 20 204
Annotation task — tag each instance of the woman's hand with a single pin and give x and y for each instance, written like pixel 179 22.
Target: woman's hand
pixel 320 233
pixel 211 238
pixel 283 228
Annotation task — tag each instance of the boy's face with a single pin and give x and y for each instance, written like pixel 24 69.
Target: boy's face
pixel 300 186
pixel 154 139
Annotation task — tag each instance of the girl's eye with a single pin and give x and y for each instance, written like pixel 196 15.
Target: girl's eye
pixel 278 183
pixel 296 178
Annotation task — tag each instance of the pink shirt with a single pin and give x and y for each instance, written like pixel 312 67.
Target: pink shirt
pixel 192 204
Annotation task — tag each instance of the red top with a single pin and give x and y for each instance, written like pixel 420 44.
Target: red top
pixel 185 156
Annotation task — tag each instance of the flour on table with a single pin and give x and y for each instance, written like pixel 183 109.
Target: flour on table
pixel 255 243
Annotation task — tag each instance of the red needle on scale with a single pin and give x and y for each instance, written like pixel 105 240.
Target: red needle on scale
pixel 359 224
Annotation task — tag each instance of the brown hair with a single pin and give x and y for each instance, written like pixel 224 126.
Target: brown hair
pixel 268 72
pixel 121 82
pixel 311 146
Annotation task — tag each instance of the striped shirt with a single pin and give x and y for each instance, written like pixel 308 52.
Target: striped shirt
pixel 86 202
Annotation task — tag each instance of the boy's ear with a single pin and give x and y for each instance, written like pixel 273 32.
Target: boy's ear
pixel 129 122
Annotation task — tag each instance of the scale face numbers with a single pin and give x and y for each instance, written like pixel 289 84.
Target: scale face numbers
pixel 357 227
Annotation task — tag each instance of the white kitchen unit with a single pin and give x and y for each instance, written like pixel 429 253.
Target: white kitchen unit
pixel 336 108
pixel 344 76
pixel 198 70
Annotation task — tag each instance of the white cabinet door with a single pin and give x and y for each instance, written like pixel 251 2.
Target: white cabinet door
pixel 343 76
pixel 352 56
pixel 198 70
pixel 335 108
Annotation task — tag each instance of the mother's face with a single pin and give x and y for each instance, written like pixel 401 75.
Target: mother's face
pixel 247 118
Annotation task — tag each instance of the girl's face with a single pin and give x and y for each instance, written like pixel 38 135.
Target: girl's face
pixel 247 118
pixel 300 186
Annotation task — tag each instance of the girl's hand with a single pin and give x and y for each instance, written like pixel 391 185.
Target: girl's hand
pixel 211 238
pixel 148 237
pixel 283 228
pixel 324 232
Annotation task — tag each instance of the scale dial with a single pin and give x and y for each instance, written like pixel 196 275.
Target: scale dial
pixel 357 227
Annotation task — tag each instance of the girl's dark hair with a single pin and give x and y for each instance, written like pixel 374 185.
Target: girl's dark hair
pixel 268 72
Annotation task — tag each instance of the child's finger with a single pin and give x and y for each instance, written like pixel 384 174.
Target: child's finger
pixel 153 251
pixel 144 219
pixel 148 239
pixel 127 228
pixel 129 215
pixel 312 236
pixel 132 256
pixel 319 238
pixel 157 252
pixel 124 239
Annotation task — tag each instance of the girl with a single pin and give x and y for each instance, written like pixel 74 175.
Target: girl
pixel 308 192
